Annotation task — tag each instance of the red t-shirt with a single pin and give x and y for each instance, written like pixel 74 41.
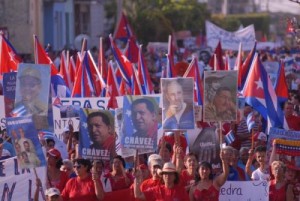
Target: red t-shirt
pixel 63 179
pixel 118 183
pixel 161 193
pixel 293 122
pixel 185 178
pixel 149 183
pixel 80 189
pixel 277 194
pixel 210 194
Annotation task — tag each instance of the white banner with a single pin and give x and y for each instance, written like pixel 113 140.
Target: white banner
pixel 2 113
pixel 244 190
pixel 61 119
pixel 230 40
pixel 18 184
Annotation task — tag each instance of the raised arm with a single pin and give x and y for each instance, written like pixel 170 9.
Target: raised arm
pixel 98 187
pixel 221 179
pixel 249 163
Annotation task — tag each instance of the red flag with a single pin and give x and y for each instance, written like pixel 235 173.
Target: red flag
pixel 9 59
pixel 137 90
pixel 217 61
pixel 41 57
pixel 81 85
pixel 64 70
pixel 123 30
pixel 281 87
pixel 290 27
pixel 96 79
pixel 112 89
pixel 72 70
pixel 132 50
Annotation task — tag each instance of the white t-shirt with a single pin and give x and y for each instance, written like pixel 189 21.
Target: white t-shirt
pixel 258 175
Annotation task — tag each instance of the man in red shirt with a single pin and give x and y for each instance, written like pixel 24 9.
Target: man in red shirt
pixel 292 120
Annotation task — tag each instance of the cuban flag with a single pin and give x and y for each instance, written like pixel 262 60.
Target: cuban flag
pixel 244 70
pixel 123 31
pixel 216 61
pixel 250 121
pixel 229 137
pixel 169 71
pixel 193 72
pixel 259 93
pixel 124 64
pixel 143 74
pixel 9 58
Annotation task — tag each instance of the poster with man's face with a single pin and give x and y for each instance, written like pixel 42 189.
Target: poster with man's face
pixel 140 125
pixel 97 134
pixel 178 103
pixel 220 92
pixel 32 93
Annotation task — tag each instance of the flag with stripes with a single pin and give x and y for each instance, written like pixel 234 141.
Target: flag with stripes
pixel 229 137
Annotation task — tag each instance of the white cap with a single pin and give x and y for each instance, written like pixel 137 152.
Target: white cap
pixel 52 191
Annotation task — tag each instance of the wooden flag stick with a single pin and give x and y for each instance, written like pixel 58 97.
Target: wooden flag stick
pixel 252 138
pixel 220 134
pixel 41 187
pixel 136 160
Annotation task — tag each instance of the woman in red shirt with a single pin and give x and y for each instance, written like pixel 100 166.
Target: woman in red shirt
pixel 279 189
pixel 55 177
pixel 119 178
pixel 86 186
pixel 170 190
pixel 206 187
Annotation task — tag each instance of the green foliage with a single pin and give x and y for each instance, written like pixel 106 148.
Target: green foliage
pixel 154 20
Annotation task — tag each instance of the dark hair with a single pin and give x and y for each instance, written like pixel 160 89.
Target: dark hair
pixel 168 146
pixel 190 154
pixel 85 162
pixel 104 117
pixel 76 135
pixel 121 159
pixel 206 165
pixel 146 101
pixel 50 140
pixel 59 163
pixel 260 149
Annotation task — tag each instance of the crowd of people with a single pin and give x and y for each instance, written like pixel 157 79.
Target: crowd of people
pixel 171 172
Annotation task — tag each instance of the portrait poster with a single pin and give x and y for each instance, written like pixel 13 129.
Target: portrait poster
pixel 220 96
pixel 178 103
pixel 2 114
pixel 9 92
pixel 32 93
pixel 97 134
pixel 205 143
pixel 25 141
pixel 291 156
pixel 140 125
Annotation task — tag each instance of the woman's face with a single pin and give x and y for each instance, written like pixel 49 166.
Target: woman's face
pixel 277 171
pixel 117 164
pixel 80 169
pixel 204 172
pixel 190 162
pixel 169 178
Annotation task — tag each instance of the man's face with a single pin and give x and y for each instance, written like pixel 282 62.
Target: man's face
pixel 175 95
pixel 29 88
pixel 27 147
pixel 98 130
pixel 288 110
pixel 142 118
pixel 222 101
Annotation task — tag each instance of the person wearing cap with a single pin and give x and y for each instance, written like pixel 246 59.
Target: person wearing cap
pixel 206 186
pixel 52 194
pixel 179 114
pixel 170 190
pixel 222 107
pixel 55 177
pixel 155 164
pixel 30 88
pixel 87 184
